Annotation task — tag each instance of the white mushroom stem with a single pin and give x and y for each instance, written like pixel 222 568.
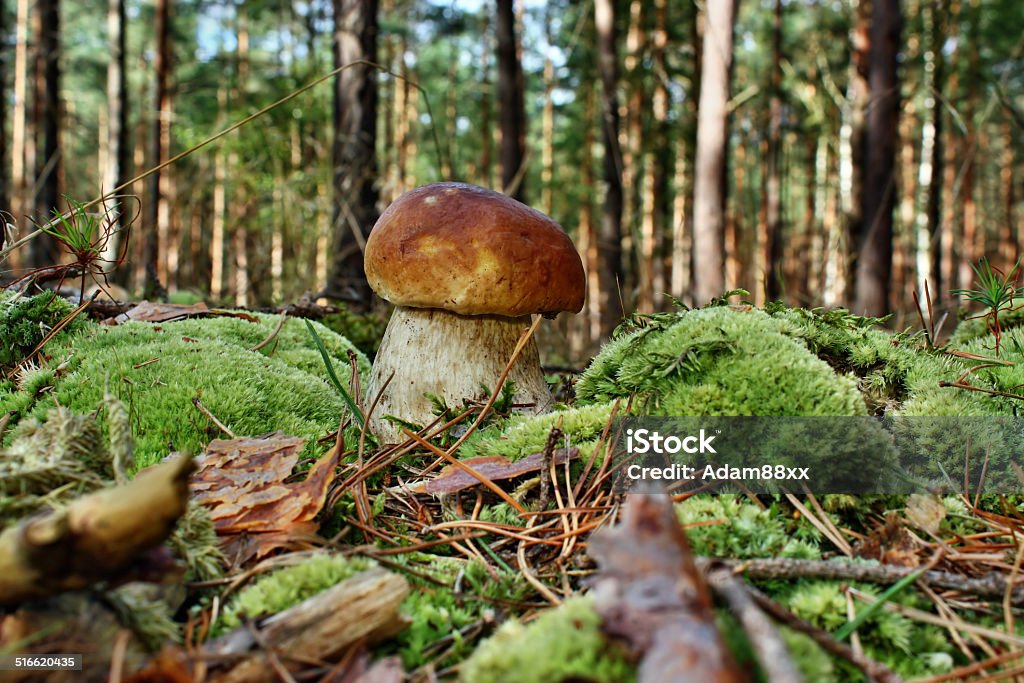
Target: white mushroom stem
pixel 453 357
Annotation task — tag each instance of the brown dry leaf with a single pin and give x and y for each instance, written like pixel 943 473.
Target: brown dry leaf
pixel 242 482
pixel 493 467
pixel 160 313
pixel 890 543
pixel 925 512
pixel 650 594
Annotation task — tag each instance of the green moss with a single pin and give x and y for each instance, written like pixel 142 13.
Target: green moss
pixel 156 370
pixel 744 530
pixel 438 616
pixel 910 648
pixel 25 320
pixel 719 361
pixel 520 435
pixel 286 587
pixel 563 643
pixel 51 462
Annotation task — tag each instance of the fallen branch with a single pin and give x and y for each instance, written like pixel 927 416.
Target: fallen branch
pixel 96 537
pixel 991 585
pixel 770 648
pixel 873 670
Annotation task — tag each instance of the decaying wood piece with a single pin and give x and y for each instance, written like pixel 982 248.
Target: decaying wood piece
pixel 453 357
pixel 97 537
pixel 651 594
pixel 364 607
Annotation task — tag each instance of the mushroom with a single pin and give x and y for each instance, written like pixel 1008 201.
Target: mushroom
pixel 466 268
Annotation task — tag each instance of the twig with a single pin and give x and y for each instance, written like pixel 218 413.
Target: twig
pixel 554 436
pixel 874 670
pixel 205 411
pixel 465 468
pixel 273 333
pixel 771 650
pixel 991 585
pixel 968 387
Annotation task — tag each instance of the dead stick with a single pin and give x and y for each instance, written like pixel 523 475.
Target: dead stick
pixel 989 586
pixel 771 650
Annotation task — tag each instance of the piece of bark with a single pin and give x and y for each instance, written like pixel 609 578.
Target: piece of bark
pixel 364 607
pixel 650 594
pixel 97 537
pixel 494 467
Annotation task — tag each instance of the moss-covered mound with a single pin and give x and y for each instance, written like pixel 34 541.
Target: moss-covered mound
pixel 157 370
pixel 719 361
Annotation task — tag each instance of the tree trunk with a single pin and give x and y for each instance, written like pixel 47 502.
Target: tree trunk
pixel 712 143
pixel 547 144
pixel 151 224
pixel 948 149
pixel 610 236
pixel 5 185
pixel 512 113
pixel 969 219
pixel 660 156
pixel 771 249
pixel 933 207
pixel 486 133
pixel 19 157
pixel 682 179
pixel 354 149
pixel 874 262
pixel 851 159
pixel 1008 243
pixel 118 162
pixel 48 114
pixel 218 225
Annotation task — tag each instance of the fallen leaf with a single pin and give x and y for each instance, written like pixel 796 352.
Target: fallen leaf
pixel 242 483
pixel 650 594
pixel 494 467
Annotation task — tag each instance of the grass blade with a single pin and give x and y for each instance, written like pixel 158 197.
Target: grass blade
pixel 334 376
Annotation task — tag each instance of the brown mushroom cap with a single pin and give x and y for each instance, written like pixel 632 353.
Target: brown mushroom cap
pixel 472 251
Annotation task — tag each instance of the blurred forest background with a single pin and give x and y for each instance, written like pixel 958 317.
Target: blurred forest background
pixel 823 152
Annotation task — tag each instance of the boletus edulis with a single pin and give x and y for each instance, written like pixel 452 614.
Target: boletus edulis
pixel 466 268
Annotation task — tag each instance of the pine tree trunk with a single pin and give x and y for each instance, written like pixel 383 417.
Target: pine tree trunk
pixel 48 115
pixel 852 148
pixel 151 225
pixel 709 199
pixel 772 246
pixel 5 178
pixel 609 245
pixel 116 170
pixel 969 221
pixel 486 91
pixel 354 148
pixel 19 154
pixel 512 113
pixel 218 221
pixel 949 144
pixel 874 261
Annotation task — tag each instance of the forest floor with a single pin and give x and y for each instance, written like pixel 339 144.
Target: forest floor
pixel 489 545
